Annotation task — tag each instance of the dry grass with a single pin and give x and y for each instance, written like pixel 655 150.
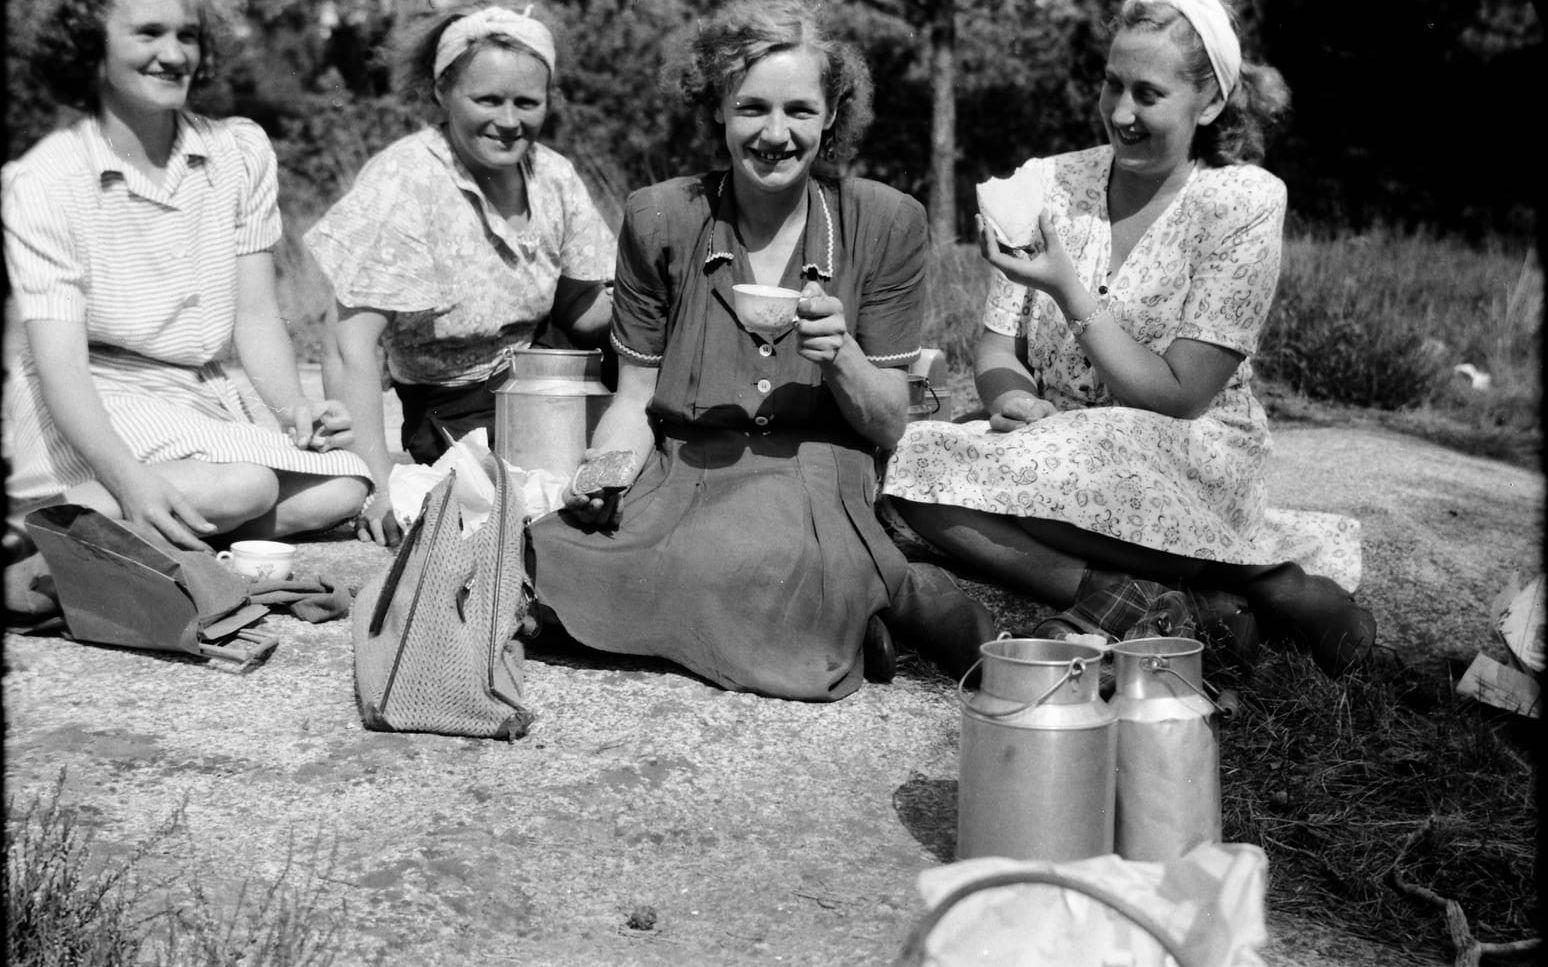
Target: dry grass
pixel 65 908
pixel 1331 778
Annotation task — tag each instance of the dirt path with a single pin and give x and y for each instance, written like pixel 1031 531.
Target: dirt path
pixel 759 831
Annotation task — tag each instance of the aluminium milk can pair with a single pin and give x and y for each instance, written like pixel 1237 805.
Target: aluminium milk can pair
pixel 1049 771
pixel 547 408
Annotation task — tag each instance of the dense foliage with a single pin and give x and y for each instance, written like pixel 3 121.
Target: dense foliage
pixel 1401 108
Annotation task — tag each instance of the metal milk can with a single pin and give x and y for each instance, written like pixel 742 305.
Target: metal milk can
pixel 1168 749
pixel 548 407
pixel 1036 765
pixel 929 393
pixel 924 403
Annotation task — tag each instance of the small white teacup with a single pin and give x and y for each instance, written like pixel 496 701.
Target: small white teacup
pixel 260 560
pixel 767 310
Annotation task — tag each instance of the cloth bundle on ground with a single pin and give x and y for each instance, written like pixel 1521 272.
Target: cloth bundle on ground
pixel 434 634
pixel 541 491
pixel 118 587
pixel 1203 909
pixel 315 599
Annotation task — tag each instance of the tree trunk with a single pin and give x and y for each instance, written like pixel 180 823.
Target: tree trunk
pixel 943 121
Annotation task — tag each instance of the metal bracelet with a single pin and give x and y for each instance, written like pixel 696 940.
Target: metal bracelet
pixel 1079 326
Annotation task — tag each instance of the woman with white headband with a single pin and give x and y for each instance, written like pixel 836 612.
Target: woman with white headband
pixel 459 241
pixel 1120 474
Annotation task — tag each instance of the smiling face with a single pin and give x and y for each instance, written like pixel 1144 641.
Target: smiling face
pixel 149 57
pixel 495 108
pixel 774 119
pixel 1149 105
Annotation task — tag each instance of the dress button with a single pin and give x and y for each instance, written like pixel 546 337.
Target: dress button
pixel 765 350
pixel 764 386
pixel 761 420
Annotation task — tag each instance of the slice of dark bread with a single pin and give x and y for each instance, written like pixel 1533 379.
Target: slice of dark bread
pixel 611 470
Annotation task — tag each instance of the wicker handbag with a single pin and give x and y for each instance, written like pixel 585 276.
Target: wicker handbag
pixel 433 635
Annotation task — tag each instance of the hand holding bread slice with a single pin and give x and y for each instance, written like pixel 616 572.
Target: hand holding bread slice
pixel 608 470
pixel 1011 206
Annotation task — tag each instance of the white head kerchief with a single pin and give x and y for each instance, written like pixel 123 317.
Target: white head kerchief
pixel 464 32
pixel 1212 23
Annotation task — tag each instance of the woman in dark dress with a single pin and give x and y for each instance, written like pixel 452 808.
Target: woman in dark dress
pixel 747 548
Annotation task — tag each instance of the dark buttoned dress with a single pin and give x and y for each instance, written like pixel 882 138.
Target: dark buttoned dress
pixel 748 549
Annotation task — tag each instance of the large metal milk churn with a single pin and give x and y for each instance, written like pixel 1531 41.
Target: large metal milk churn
pixel 1168 750
pixel 548 407
pixel 1036 765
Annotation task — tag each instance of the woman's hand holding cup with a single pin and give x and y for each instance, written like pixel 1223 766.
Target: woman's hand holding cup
pixel 821 327
pixel 1049 270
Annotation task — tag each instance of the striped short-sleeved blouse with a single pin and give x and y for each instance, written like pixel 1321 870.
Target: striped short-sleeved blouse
pixel 147 268
pixel 150 271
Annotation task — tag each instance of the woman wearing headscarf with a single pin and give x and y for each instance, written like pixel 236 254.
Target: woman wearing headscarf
pixel 458 242
pixel 746 547
pixel 1121 471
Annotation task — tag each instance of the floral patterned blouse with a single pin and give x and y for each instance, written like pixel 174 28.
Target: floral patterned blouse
pixel 1206 270
pixel 416 239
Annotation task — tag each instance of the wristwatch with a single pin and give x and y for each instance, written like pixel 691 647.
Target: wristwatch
pixel 1078 327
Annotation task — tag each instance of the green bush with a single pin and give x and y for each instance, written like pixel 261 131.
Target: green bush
pixel 1379 320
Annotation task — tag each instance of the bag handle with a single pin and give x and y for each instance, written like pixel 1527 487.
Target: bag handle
pixel 502 528
pixel 395 570
pixel 914 949
pixel 393 576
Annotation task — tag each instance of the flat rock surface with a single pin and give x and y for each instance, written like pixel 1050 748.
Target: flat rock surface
pixel 758 831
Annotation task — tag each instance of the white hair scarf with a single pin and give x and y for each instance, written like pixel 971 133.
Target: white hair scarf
pixel 1212 23
pixel 464 32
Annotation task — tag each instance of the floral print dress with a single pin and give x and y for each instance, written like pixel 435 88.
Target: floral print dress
pixel 416 238
pixel 1205 270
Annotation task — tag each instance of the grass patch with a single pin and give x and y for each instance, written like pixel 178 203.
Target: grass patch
pixel 65 908
pixel 60 911
pixel 1379 321
pixel 1332 777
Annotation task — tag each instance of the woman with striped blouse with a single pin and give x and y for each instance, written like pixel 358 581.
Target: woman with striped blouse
pixel 139 247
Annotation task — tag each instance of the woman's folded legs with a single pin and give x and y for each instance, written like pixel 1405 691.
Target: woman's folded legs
pixel 246 499
pixel 1048 560
pixel 1111 587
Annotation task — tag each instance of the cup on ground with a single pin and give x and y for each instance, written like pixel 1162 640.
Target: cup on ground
pixel 767 310
pixel 260 560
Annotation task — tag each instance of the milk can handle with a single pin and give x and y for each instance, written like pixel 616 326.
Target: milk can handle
pixel 1076 669
pixel 933 395
pixel 914 949
pixel 1225 708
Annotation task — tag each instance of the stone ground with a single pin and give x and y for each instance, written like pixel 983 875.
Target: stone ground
pixel 759 831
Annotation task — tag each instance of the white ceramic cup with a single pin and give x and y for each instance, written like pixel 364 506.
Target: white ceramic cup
pixel 767 310
pixel 261 560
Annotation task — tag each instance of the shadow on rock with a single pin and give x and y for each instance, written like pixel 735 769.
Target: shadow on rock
pixel 554 647
pixel 928 810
